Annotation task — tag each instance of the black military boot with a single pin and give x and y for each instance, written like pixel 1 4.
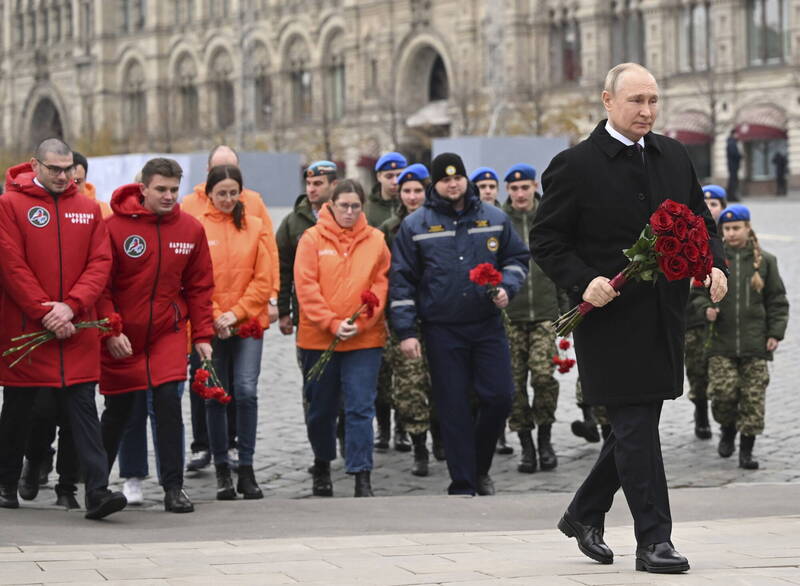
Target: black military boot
pixel 547 456
pixel 727 441
pixel 702 428
pixel 587 429
pixel 527 464
pixel 383 414
pixel 746 452
pixel 502 446
pixel 225 490
pixel 29 482
pixel 8 496
pixel 402 443
pixel 420 467
pixel 363 486
pixel 321 483
pixel 177 501
pixel 436 440
pixel 246 484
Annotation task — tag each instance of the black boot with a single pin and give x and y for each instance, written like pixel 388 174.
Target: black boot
pixel 727 441
pixel 547 456
pixel 103 502
pixel 177 501
pixel 383 414
pixel 246 485
pixel 225 491
pixel 402 443
pixel 29 483
pixel 527 464
pixel 363 486
pixel 436 440
pixel 587 429
pixel 702 428
pixel 502 447
pixel 321 483
pixel 65 495
pixel 8 496
pixel 420 467
pixel 746 452
pixel 485 485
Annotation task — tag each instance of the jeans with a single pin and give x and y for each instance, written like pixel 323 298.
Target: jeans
pixel 353 374
pixel 237 362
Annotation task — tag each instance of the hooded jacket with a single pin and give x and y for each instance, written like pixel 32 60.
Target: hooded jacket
pixel 55 248
pixel 161 278
pixel 195 204
pixel 300 219
pixel 243 267
pixel 333 267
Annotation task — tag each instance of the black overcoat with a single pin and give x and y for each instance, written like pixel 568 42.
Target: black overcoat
pixel 598 196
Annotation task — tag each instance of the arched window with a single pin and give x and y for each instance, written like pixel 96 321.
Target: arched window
pixel 335 78
pixel 134 107
pixel 438 83
pixel 188 112
pixel 300 80
pixel 222 89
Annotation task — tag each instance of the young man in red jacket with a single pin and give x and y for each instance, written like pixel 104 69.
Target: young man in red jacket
pixel 161 279
pixel 55 264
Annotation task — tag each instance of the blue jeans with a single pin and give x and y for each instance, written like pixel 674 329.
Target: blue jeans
pixel 353 374
pixel 132 455
pixel 237 360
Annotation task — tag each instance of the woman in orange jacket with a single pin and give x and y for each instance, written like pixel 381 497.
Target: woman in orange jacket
pixel 337 260
pixel 243 282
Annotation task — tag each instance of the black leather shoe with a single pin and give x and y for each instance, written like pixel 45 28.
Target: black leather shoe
pixel 177 501
pixel 104 502
pixel 502 446
pixel 8 496
pixel 485 485
pixel 589 538
pixel 660 558
pixel 246 485
pixel 68 501
pixel 402 443
pixel 587 429
pixel 321 483
pixel 29 482
pixel 225 491
pixel 363 485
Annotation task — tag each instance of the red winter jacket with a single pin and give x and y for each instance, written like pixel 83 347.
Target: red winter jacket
pixel 161 278
pixel 53 249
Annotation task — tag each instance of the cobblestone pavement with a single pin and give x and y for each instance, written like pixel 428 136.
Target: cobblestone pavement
pixel 283 454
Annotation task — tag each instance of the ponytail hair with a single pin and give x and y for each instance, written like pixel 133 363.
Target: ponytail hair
pixel 757 282
pixel 238 215
pixel 219 173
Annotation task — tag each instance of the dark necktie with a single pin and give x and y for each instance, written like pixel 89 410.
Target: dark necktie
pixel 640 150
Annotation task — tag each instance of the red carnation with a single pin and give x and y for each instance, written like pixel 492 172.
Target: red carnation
pixel 201 375
pixel 485 274
pixel 556 359
pixel 370 301
pixel 667 246
pixel 251 329
pixel 564 344
pixel 681 229
pixel 115 324
pixel 674 268
pixel 661 222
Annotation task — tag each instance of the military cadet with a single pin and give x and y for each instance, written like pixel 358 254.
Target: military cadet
pixel 465 342
pixel 531 335
pixel 748 327
pixel 487 182
pixel 411 387
pixel 697 334
pixel 381 204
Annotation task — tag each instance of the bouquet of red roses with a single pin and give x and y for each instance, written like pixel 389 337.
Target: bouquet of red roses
pixel 108 326
pixel 369 301
pixel 485 275
pixel 206 383
pixel 674 243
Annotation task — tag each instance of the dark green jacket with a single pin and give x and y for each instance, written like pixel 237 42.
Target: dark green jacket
pixel 747 318
pixel 378 210
pixel 392 225
pixel 695 315
pixel 538 299
pixel 300 219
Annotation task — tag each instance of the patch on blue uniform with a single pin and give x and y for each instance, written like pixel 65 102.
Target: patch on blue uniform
pixel 481 223
pixel 436 228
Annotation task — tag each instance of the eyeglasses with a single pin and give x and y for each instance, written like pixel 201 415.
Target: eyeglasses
pixel 55 170
pixel 353 207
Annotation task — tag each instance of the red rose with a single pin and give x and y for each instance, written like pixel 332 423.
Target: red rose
pixel 681 229
pixel 661 222
pixel 705 249
pixel 687 214
pixel 564 344
pixel 696 236
pixel 667 246
pixel 674 268
pixel 699 223
pixel 690 252
pixel 485 274
pixel 672 207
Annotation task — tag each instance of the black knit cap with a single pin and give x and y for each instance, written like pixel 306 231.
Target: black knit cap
pixel 447 165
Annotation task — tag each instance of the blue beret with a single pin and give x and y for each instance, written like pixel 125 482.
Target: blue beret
pixel 391 161
pixel 520 172
pixel 318 168
pixel 735 213
pixel 714 192
pixel 482 174
pixel 415 172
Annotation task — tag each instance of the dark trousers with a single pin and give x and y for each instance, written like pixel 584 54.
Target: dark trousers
pixel 198 408
pixel 732 190
pixel 48 415
pixel 169 429
pixel 78 403
pixel 467 358
pixel 631 459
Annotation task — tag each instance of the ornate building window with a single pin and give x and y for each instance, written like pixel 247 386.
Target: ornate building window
pixel 188 111
pixel 222 89
pixel 262 88
pixel 335 78
pixel 627 32
pixel 134 102
pixel 300 81
pixel 767 31
pixel 133 15
pixel 565 50
pixel 438 84
pixel 694 37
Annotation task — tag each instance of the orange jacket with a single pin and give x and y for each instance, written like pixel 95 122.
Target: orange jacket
pixel 90 192
pixel 332 268
pixel 243 268
pixel 195 204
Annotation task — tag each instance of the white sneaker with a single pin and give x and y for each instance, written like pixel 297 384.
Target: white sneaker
pixel 132 489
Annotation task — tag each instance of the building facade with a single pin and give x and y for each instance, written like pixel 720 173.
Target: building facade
pixel 348 79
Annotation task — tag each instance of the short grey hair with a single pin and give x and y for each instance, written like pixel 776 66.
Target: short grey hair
pixel 54 146
pixel 612 77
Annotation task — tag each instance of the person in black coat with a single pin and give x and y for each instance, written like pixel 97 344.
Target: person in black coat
pixel 733 157
pixel 598 196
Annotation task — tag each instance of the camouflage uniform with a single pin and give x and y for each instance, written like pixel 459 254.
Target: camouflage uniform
pixel 411 389
pixel 696 362
pixel 738 388
pixel 533 346
pixel 598 411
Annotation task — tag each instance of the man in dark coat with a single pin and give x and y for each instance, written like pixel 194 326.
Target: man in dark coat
pixel 598 196
pixel 734 158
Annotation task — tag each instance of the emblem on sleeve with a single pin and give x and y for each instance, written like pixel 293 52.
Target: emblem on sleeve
pixel 134 246
pixel 38 216
pixel 493 244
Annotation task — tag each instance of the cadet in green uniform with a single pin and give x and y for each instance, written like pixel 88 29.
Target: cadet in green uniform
pixel 749 324
pixel 531 335
pixel 381 205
